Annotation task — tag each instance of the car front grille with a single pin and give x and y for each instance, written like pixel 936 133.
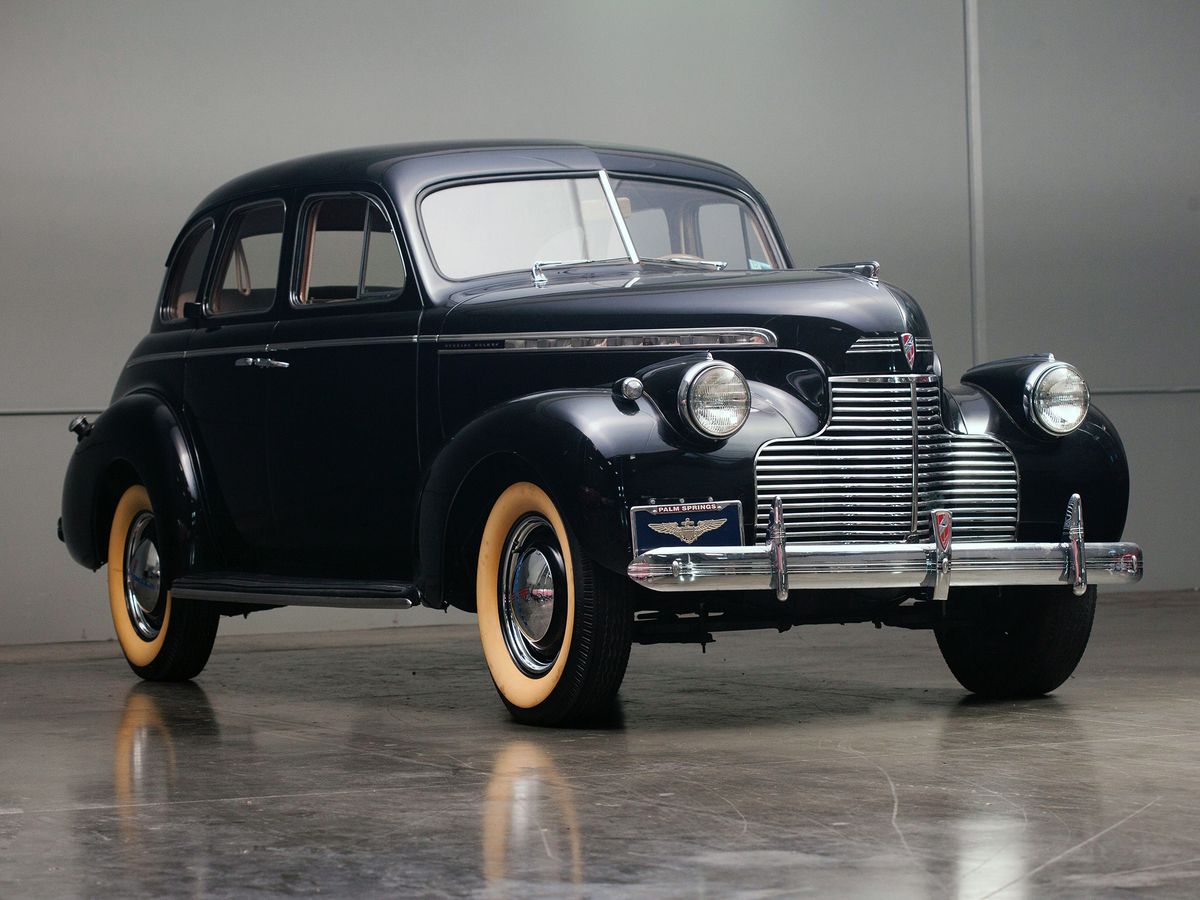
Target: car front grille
pixel 881 465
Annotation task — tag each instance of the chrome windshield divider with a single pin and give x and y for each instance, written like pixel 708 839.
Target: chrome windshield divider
pixel 1075 555
pixel 615 209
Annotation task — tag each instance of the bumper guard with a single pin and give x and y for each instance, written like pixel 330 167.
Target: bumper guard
pixel 934 567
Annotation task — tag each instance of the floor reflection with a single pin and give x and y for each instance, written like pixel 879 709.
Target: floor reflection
pixel 160 746
pixel 531 830
pixel 1004 805
pixel 265 784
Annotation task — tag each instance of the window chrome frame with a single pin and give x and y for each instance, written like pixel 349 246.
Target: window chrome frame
pixel 225 244
pixel 300 253
pixel 173 260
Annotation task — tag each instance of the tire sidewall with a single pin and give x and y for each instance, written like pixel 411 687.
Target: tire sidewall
pixel 138 651
pixel 518 689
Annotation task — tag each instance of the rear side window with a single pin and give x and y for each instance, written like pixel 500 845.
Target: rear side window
pixel 183 282
pixel 349 252
pixel 249 267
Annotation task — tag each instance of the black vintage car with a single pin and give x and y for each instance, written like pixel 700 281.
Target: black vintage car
pixel 583 392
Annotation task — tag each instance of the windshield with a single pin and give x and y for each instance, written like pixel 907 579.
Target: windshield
pixel 485 228
pixel 503 226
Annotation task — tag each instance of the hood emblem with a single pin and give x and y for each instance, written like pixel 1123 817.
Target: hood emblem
pixel 687 531
pixel 941 529
pixel 909 345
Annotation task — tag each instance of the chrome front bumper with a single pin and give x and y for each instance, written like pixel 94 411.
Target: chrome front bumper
pixel 935 567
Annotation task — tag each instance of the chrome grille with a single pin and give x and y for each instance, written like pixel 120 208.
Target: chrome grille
pixel 889 343
pixel 856 481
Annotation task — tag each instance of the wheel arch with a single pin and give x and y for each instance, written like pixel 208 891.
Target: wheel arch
pixel 565 442
pixel 137 440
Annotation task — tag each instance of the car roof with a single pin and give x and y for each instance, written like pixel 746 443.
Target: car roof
pixel 442 159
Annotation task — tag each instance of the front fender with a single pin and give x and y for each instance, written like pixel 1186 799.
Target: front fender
pixel 1090 461
pixel 595 455
pixel 138 438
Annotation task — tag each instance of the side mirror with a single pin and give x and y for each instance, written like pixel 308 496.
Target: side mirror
pixel 193 310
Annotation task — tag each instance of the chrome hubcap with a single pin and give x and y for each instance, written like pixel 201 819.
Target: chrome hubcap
pixel 143 577
pixel 533 595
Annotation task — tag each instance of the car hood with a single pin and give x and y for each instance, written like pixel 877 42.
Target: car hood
pixel 821 313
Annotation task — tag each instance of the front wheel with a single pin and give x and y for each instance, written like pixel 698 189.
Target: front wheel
pixel 162 639
pixel 556 630
pixel 1016 642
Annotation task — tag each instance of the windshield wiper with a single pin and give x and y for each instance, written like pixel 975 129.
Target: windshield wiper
pixel 688 262
pixel 539 277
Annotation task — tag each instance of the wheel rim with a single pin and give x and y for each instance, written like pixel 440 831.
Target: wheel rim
pixel 532 591
pixel 144 601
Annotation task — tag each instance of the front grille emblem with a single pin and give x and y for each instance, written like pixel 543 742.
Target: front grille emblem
pixel 909 345
pixel 941 529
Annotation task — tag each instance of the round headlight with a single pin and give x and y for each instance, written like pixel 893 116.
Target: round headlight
pixel 1057 398
pixel 714 399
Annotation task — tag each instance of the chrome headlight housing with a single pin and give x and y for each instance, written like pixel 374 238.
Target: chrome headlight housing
pixel 714 399
pixel 1056 398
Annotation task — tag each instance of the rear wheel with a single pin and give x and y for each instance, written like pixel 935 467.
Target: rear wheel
pixel 556 630
pixel 163 639
pixel 1016 642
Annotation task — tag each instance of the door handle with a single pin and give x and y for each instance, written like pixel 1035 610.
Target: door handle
pixel 259 362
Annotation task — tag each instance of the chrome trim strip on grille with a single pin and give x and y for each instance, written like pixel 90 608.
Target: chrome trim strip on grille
pixel 881 464
pixel 694 338
pixel 889 343
pixel 916 456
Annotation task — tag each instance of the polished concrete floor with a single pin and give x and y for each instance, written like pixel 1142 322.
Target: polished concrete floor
pixel 833 761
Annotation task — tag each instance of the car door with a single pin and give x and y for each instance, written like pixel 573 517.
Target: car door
pixel 226 379
pixel 342 434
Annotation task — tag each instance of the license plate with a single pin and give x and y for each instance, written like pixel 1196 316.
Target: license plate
pixel 715 524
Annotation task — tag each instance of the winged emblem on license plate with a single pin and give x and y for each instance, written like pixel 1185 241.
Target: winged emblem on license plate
pixel 687 530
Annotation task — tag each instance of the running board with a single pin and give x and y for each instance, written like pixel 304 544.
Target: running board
pixel 263 590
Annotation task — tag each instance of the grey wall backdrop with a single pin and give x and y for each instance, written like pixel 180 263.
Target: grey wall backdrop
pixel 1029 170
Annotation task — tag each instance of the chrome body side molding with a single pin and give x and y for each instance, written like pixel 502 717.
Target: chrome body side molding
pixel 692 339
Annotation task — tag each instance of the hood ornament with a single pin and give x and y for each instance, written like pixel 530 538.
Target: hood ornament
pixel 909 345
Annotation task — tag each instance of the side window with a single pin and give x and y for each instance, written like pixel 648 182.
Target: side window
pixel 350 252
pixel 727 233
pixel 249 266
pixel 184 279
